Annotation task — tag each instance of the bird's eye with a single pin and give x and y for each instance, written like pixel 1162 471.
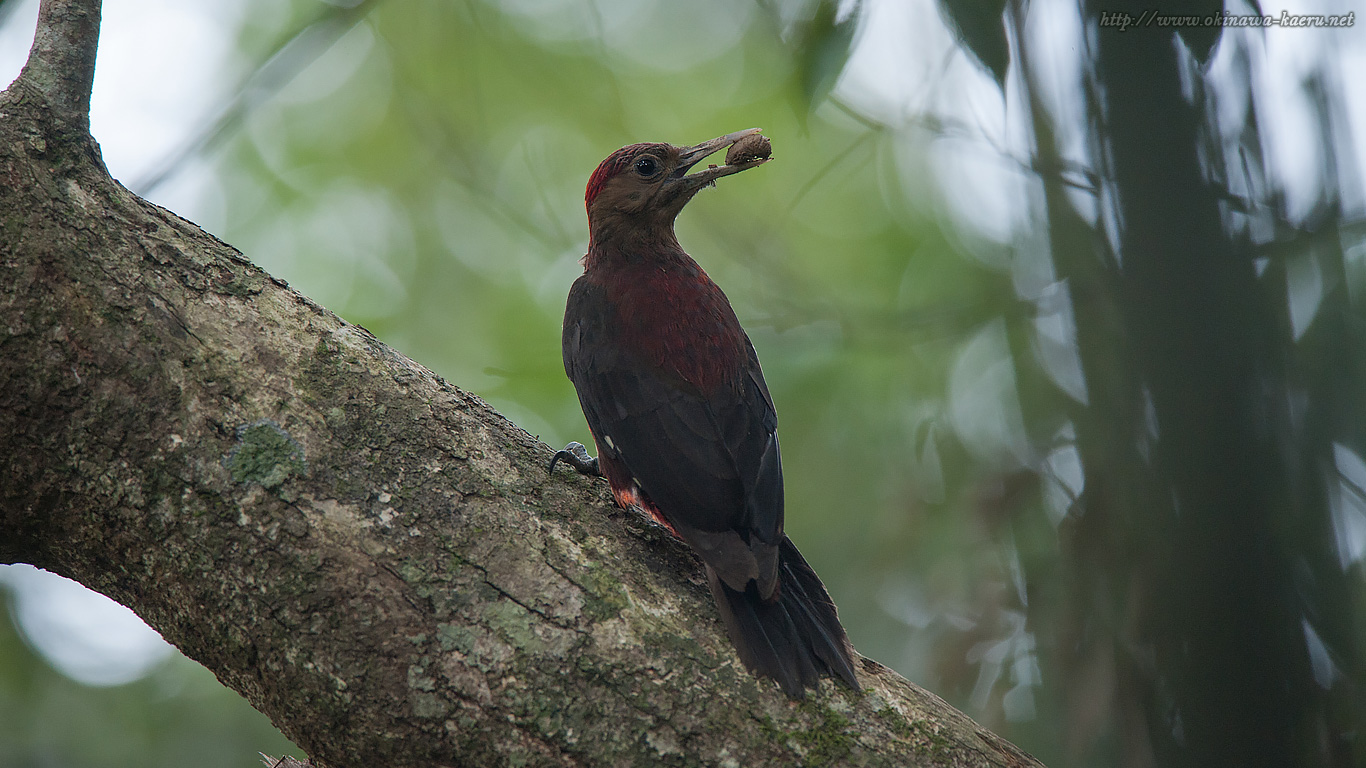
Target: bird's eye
pixel 647 166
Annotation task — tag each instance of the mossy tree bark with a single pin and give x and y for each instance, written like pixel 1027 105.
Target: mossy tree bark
pixel 374 558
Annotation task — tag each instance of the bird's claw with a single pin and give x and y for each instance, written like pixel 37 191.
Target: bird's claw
pixel 576 456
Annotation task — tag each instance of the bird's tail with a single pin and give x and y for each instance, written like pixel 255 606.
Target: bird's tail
pixel 795 639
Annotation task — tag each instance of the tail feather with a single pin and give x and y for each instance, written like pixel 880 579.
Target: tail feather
pixel 834 648
pixel 795 639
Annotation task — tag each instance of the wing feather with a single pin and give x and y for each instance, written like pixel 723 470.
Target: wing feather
pixel 709 461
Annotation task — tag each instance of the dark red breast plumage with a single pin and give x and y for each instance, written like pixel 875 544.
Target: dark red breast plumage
pixel 684 425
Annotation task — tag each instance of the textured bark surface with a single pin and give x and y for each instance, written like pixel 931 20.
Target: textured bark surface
pixel 374 558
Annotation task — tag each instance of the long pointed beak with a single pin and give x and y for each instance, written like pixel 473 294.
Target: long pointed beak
pixel 691 156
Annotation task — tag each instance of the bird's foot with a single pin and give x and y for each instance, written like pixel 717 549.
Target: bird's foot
pixel 576 456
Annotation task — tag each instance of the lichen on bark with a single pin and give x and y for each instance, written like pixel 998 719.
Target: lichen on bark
pixel 264 454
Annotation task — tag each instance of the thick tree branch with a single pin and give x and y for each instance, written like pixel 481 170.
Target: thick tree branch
pixel 374 558
pixel 61 63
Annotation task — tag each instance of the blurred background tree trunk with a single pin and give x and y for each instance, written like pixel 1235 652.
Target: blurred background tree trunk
pixel 1205 608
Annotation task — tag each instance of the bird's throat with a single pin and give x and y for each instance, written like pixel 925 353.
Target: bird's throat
pixel 616 241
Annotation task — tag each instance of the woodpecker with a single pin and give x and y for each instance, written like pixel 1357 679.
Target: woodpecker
pixel 683 422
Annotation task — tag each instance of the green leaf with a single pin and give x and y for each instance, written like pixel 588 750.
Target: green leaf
pixel 823 46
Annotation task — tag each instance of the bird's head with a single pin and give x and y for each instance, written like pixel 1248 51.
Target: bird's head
pixel 636 193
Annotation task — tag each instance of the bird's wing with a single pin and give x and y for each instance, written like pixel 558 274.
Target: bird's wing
pixel 708 461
